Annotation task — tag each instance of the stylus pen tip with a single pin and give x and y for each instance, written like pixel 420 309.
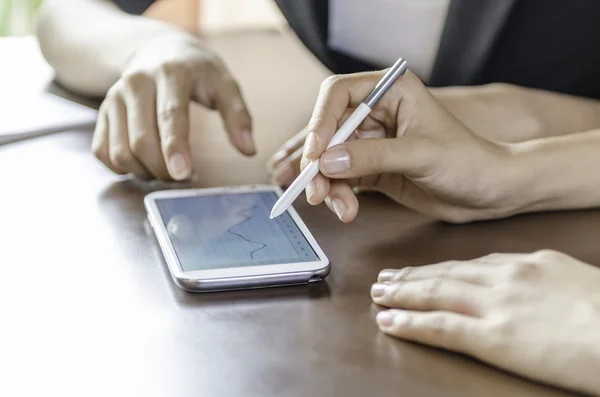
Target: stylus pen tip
pixel 275 213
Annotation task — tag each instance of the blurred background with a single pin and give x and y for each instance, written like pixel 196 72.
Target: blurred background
pixel 17 17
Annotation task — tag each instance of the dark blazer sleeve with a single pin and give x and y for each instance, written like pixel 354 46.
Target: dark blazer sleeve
pixel 135 7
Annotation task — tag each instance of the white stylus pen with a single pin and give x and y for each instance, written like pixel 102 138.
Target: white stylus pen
pixel 357 117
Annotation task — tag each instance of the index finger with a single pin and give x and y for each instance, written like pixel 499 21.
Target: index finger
pixel 337 94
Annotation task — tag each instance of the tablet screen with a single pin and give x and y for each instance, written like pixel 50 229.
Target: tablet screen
pixel 232 230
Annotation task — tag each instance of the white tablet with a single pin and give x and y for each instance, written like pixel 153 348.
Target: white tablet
pixel 222 238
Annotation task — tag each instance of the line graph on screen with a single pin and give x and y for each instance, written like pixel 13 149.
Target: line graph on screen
pixel 233 230
pixel 248 214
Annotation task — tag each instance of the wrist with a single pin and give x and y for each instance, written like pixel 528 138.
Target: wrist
pixel 554 173
pixel 172 45
pixel 152 36
pixel 509 180
pixel 530 178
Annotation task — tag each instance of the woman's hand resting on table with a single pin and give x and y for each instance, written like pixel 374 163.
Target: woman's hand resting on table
pixel 537 315
pixel 418 153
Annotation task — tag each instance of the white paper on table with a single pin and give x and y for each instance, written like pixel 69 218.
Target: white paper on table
pixel 41 113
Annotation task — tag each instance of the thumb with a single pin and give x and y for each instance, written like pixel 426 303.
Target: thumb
pixel 364 157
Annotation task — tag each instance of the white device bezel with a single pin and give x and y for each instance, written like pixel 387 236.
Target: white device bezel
pixel 172 260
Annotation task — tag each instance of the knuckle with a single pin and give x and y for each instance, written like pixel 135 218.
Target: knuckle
pixel 449 267
pixel 303 162
pixel 121 156
pixel 416 85
pixel 500 330
pixel 410 82
pixel 98 145
pixel 213 65
pixel 546 255
pixel 410 76
pixel 170 68
pixel 138 144
pixel 313 124
pixel 432 287
pixel 432 290
pixel 333 82
pixel 438 326
pixel 505 295
pixel 408 321
pixel 427 152
pixel 170 143
pixel 523 270
pixel 403 274
pixel 114 91
pixel 100 151
pixel 225 81
pixel 493 256
pixel 395 293
pixel 136 82
pixel 501 326
pixel 232 83
pixel 102 114
pixel 288 149
pixel 169 110
pixel 376 155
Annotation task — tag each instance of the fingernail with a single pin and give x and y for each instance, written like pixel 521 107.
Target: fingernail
pixel 178 167
pixel 378 290
pixel 335 161
pixel 248 141
pixel 386 275
pixel 311 190
pixel 385 319
pixel 284 175
pixel 312 144
pixel 338 207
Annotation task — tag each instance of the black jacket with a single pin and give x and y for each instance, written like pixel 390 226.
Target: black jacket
pixel 548 44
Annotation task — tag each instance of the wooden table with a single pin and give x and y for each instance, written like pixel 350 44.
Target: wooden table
pixel 87 306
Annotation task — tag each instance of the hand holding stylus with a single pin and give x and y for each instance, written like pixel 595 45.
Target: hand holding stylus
pixel 349 126
pixel 419 154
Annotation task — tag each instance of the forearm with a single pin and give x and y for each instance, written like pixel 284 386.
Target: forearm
pixel 509 113
pixel 89 42
pixel 557 173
